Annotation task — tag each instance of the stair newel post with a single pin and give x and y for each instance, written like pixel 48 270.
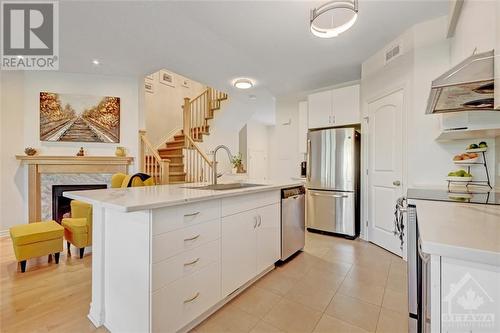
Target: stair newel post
pixel 142 163
pixel 165 171
pixel 187 118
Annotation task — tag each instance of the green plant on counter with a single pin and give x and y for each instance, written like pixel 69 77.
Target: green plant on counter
pixel 236 160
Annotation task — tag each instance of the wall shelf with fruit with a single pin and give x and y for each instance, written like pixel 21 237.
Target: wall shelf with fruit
pixel 475 155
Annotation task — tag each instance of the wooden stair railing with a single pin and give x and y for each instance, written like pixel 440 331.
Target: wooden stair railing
pixel 151 163
pixel 197 164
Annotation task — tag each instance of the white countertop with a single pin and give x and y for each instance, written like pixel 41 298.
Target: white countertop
pixel 149 197
pixel 469 232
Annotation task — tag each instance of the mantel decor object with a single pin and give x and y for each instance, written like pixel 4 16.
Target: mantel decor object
pixel 30 151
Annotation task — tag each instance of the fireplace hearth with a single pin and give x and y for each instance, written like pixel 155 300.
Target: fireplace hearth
pixel 61 205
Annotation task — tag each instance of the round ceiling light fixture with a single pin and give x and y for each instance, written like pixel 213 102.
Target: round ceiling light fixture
pixel 96 62
pixel 333 18
pixel 243 83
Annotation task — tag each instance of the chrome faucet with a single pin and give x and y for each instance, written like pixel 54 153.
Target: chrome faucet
pixel 214 162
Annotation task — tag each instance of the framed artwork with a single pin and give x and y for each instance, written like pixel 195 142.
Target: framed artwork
pixel 149 86
pixel 167 78
pixel 186 83
pixel 79 118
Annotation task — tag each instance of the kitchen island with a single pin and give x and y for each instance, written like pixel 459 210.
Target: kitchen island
pixel 166 257
pixel 459 247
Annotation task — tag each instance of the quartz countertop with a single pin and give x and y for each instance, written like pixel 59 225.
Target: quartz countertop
pixel 463 231
pixel 150 197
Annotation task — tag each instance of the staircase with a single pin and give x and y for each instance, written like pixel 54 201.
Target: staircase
pixel 186 161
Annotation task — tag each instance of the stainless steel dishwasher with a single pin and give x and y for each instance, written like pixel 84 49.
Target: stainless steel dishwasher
pixel 292 221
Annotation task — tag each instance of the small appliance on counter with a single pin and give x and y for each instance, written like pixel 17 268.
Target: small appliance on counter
pixel 303 169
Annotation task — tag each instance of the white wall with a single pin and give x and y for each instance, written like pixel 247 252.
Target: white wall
pixel 163 107
pixel 20 127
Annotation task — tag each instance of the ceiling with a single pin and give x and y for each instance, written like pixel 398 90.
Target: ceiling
pixel 214 42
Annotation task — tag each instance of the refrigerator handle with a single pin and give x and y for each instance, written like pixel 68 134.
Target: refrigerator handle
pixel 308 164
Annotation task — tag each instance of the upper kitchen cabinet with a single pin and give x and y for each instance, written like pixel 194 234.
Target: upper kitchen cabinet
pixel 346 106
pixel 320 109
pixel 337 107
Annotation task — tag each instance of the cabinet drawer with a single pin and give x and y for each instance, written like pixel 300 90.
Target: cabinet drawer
pixel 171 218
pixel 186 263
pixel 182 301
pixel 171 243
pixel 243 203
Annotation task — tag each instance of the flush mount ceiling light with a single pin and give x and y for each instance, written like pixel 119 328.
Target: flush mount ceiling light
pixel 243 83
pixel 333 18
pixel 95 62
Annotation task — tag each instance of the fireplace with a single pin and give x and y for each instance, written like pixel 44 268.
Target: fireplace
pixel 60 204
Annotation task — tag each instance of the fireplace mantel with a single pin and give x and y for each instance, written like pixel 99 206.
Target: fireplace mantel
pixel 40 164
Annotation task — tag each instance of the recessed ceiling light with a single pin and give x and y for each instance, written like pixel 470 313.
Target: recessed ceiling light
pixel 333 18
pixel 95 62
pixel 243 83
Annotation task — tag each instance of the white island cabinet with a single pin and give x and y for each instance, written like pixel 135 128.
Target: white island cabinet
pixel 166 257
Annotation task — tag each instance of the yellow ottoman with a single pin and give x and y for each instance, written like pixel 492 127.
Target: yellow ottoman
pixel 36 240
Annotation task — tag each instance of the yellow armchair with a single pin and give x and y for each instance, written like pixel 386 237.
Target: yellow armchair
pixel 78 227
pixel 121 180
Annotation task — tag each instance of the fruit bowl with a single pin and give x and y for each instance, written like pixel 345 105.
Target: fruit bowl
pixel 476 150
pixel 467 161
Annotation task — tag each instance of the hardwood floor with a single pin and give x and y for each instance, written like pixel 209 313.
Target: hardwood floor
pixel 48 297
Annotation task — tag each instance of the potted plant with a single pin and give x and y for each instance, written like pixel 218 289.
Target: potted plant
pixel 237 163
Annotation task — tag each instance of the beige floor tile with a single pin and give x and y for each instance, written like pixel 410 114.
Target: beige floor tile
pixel 397 281
pixel 276 282
pixel 263 327
pixel 392 322
pixel 377 277
pixel 228 319
pixel 355 312
pixel 324 277
pixel 256 301
pixel 366 292
pixel 311 294
pixel 337 267
pixel 328 324
pixel 396 301
pixel 293 317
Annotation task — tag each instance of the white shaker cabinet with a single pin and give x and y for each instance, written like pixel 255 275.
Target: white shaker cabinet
pixel 250 245
pixel 302 128
pixel 346 106
pixel 337 107
pixel 320 109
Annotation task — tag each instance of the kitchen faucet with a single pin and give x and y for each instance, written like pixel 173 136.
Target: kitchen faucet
pixel 214 162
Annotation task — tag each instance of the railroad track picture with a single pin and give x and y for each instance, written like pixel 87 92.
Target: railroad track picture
pixel 79 118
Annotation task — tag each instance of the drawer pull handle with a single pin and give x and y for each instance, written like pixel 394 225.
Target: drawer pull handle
pixel 192 262
pixel 192 238
pixel 260 221
pixel 192 214
pixel 189 300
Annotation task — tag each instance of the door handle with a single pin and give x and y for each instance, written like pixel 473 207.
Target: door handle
pixel 396 183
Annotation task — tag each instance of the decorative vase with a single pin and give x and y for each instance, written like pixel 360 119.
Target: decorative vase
pixel 240 169
pixel 120 151
pixel 30 151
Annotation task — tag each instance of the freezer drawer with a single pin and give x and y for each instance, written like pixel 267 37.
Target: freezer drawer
pixel 331 211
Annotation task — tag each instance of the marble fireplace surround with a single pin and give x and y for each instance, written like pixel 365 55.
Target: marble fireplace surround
pixel 48 170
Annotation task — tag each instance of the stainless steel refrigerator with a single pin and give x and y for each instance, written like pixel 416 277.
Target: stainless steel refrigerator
pixel 332 181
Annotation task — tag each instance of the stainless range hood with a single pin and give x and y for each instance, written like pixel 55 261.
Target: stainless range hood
pixel 469 86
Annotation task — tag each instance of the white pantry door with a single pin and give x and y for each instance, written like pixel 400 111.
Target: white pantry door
pixel 385 168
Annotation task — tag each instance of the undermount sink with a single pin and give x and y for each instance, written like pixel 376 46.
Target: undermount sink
pixel 222 187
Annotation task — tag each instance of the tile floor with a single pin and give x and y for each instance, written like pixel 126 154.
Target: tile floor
pixel 335 285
